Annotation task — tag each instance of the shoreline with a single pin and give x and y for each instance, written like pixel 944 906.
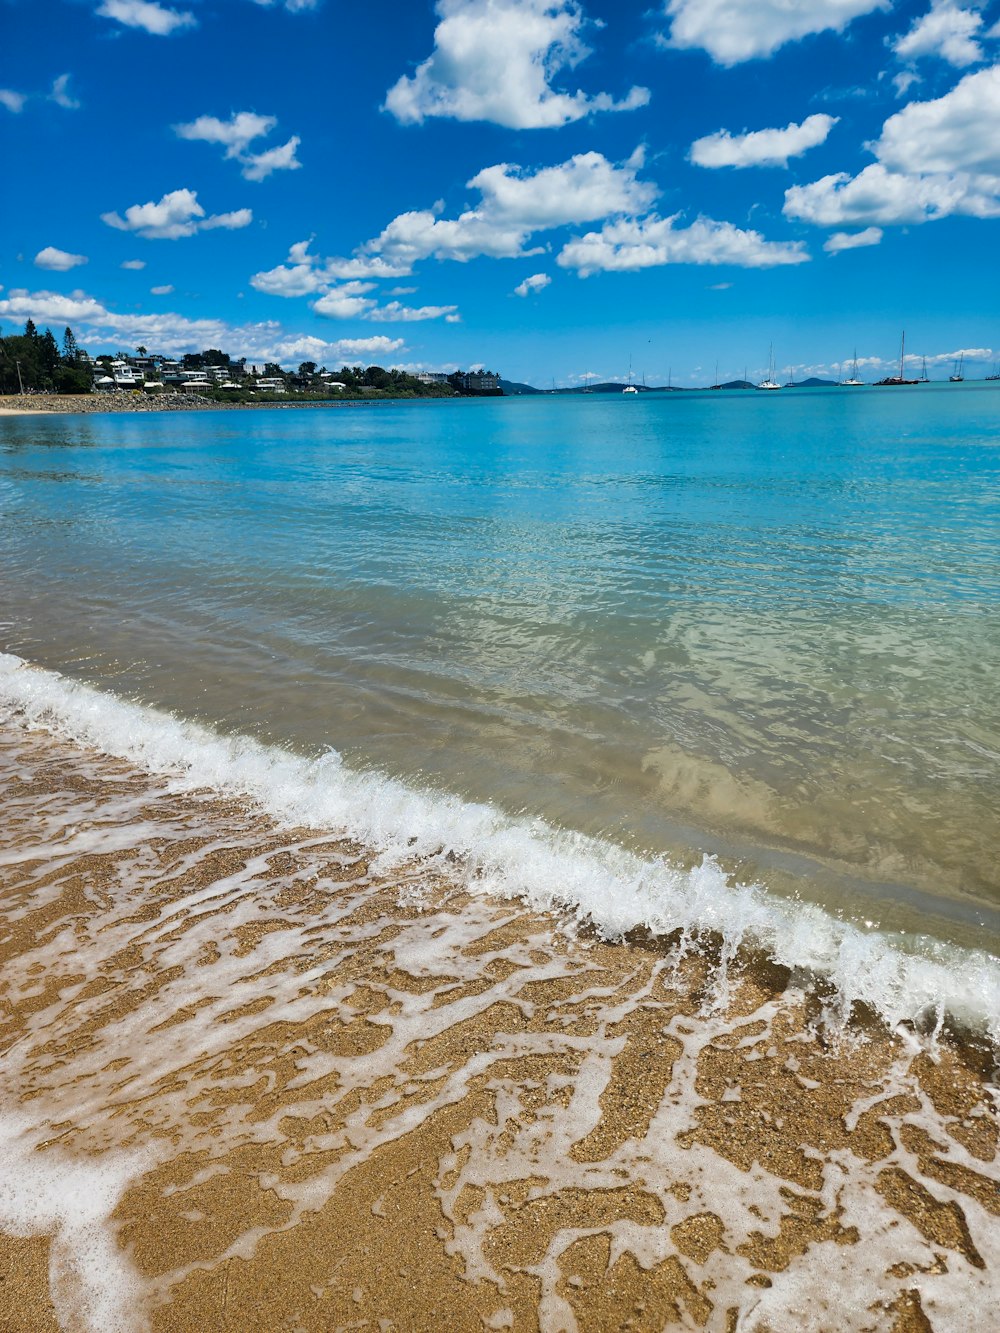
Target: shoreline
pixel 102 404
pixel 302 1082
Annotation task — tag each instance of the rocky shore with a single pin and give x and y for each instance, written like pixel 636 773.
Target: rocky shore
pixel 127 401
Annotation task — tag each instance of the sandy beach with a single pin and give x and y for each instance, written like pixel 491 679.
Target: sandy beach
pixel 254 1080
pixel 37 404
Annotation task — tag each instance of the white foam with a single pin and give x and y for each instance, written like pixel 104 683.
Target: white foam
pixel 586 879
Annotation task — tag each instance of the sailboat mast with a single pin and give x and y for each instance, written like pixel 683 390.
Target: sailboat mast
pixel 902 354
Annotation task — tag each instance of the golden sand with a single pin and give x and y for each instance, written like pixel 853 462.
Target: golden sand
pixel 330 1098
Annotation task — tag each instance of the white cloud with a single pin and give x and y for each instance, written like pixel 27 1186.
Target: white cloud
pixel 513 205
pixel 732 31
pixel 134 263
pixel 258 167
pixel 347 302
pixel 234 134
pixel 852 240
pixel 762 148
pixel 536 283
pixel 637 243
pixel 169 332
pixel 880 197
pixel 58 260
pixel 237 134
pixel 395 313
pixel 936 159
pixel 306 274
pixel 957 132
pixel 720 286
pixel 13 101
pixel 165 290
pixel 496 60
pixel 947 31
pixel 177 214
pixel 60 94
pixel 147 15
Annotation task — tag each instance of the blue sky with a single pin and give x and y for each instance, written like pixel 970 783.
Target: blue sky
pixel 545 187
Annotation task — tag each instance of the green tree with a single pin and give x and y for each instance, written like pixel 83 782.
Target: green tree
pixel 70 351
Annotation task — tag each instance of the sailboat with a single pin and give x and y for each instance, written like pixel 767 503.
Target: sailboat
pixel 770 382
pixel 716 385
pixel 923 373
pixel 853 381
pixel 958 377
pixel 892 381
pixel 996 372
pixel 630 387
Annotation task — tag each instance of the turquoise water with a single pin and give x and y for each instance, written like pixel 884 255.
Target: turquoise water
pixel 766 627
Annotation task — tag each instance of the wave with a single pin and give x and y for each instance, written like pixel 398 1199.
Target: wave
pixel 588 881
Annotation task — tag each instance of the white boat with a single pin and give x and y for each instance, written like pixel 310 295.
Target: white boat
pixel 853 381
pixel 769 382
pixel 630 387
pixel 958 377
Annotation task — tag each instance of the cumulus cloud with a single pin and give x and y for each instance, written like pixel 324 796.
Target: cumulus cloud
pixel 177 214
pixel 169 332
pixel 147 15
pixel 165 290
pixel 513 205
pixel 935 159
pixel 305 274
pixel 13 101
pixel 637 243
pixel 258 166
pixel 732 31
pixel 761 148
pixel 236 135
pixel 947 31
pixel 346 302
pixel 957 132
pixel 881 197
pixel 536 283
pixel 301 275
pixel 133 263
pixel 852 240
pixel 59 261
pixel 496 60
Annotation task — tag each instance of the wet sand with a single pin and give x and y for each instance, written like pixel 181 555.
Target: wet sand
pixel 255 1080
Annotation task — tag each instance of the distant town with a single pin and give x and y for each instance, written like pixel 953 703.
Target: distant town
pixel 34 362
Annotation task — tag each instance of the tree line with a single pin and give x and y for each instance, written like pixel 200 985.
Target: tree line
pixel 33 360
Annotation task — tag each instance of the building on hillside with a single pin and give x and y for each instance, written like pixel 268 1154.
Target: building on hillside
pixel 433 377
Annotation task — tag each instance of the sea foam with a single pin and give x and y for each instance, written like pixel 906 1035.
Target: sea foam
pixel 587 880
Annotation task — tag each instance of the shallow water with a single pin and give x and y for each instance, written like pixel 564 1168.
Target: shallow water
pixel 256 1078
pixel 760 626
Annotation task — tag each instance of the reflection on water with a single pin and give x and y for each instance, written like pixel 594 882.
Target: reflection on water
pixel 761 627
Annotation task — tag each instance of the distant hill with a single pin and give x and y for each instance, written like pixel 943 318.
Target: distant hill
pixel 511 386
pixel 812 383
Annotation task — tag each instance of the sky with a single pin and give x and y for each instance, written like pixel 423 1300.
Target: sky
pixel 554 189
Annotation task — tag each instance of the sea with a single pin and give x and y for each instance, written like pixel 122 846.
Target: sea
pixel 525 863
pixel 696 660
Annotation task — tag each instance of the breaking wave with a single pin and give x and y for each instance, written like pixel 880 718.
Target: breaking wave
pixel 920 982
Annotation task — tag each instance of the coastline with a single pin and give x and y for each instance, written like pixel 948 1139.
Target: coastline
pixel 254 1072
pixel 45 404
